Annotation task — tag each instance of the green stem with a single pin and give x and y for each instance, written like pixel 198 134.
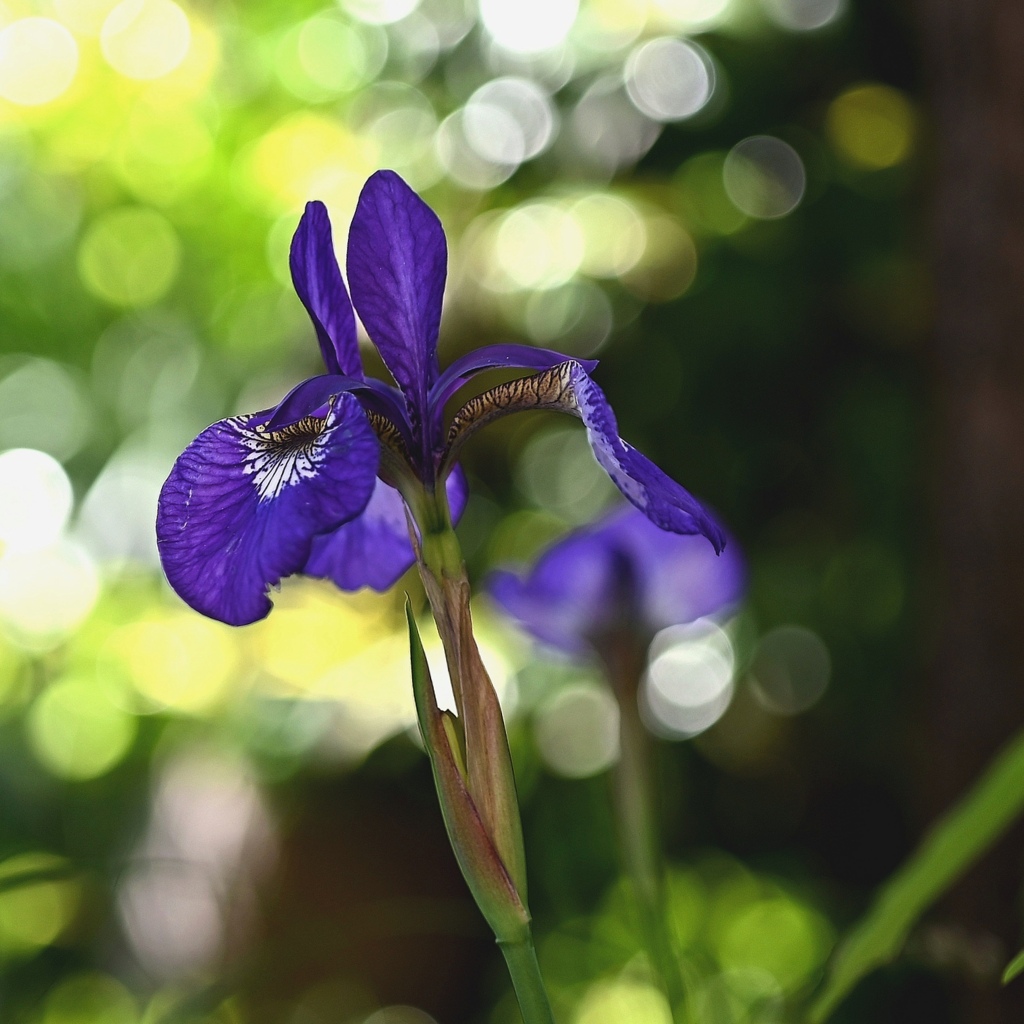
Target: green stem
pixel 487 770
pixel 637 825
pixel 527 982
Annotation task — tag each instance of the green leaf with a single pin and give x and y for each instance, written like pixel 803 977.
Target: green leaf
pixel 482 866
pixel 1013 968
pixel 953 844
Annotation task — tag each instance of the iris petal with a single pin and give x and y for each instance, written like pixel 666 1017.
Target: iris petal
pixel 241 505
pixel 397 265
pixel 622 572
pixel 657 495
pixel 318 284
pixel 374 549
pixel 568 388
pixel 491 357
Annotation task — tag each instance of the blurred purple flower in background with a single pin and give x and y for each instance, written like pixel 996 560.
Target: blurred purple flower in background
pixel 622 575
pixel 317 484
pixel 605 591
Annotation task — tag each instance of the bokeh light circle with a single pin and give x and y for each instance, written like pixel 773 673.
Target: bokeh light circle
pixel 669 79
pixel 509 120
pixel 145 39
pixel 538 245
pixel 35 500
pixel 90 998
pixel 790 670
pixel 47 594
pixel 129 256
pixel 764 177
pixel 872 126
pixel 803 15
pixel 689 680
pixel 577 731
pixel 76 732
pixel 528 26
pixel 38 61
pixel 380 12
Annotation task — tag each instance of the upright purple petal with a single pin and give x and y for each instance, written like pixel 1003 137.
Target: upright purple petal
pixel 318 283
pixel 242 505
pixel 374 549
pixel 397 264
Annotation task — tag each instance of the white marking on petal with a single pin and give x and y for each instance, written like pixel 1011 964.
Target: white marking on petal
pixel 281 458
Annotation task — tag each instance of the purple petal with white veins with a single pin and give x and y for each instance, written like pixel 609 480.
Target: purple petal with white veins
pixel 374 549
pixel 242 506
pixel 523 357
pixel 658 496
pixel 318 283
pixel 397 264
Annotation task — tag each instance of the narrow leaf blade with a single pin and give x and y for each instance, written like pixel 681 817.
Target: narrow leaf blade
pixel 953 844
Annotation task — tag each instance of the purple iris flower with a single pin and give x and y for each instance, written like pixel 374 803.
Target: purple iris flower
pixel 619 577
pixel 324 483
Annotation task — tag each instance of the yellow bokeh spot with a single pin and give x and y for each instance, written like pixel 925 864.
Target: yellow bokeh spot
pixel 669 263
pixel 192 77
pixel 614 235
pixel 702 196
pixel 872 126
pixel 536 245
pixel 165 151
pixel 85 17
pixel 33 913
pixel 307 156
pixel 76 732
pixel 623 1002
pixel 311 631
pixel 38 61
pixel 182 662
pixel 90 998
pixel 145 39
pixel 779 936
pixel 324 57
pixel 129 256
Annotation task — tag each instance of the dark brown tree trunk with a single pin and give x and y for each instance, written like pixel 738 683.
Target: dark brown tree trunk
pixel 973 53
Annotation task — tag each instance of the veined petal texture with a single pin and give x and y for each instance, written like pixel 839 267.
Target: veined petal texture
pixel 374 550
pixel 397 265
pixel 319 286
pixel 242 505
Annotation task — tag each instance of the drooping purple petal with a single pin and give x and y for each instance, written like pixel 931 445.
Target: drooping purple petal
pixel 319 286
pixel 622 572
pixel 658 496
pixel 524 357
pixel 568 388
pixel 397 264
pixel 242 505
pixel 374 549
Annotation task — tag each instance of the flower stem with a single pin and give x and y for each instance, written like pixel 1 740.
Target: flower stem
pixel 494 868
pixel 637 825
pixel 527 982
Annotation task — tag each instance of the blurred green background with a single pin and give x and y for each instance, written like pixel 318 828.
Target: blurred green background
pixel 720 200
